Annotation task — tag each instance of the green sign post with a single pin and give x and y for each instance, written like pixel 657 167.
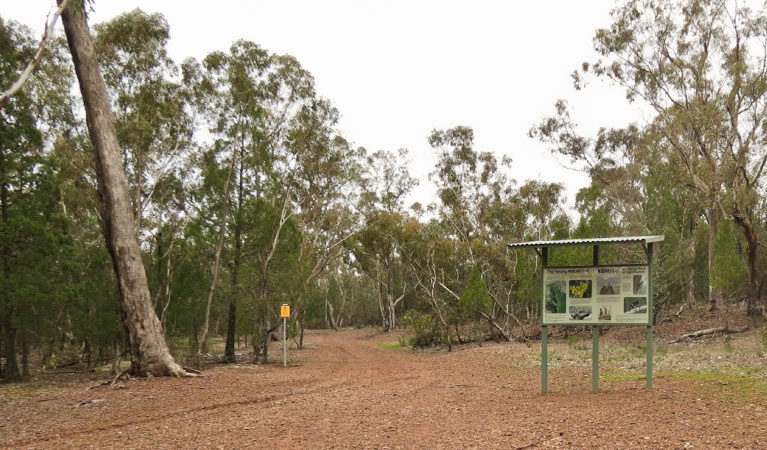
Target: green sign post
pixel 597 295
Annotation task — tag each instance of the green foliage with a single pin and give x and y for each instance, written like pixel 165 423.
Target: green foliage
pixel 38 263
pixel 728 273
pixel 426 328
pixel 313 305
pixel 240 141
pixel 475 297
pixel 401 342
pixel 694 165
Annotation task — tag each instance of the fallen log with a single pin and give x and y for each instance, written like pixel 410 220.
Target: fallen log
pixel 706 332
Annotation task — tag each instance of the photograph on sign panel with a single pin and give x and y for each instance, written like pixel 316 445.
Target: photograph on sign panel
pixel 580 312
pixel 580 288
pixel 639 284
pixel 555 296
pixel 609 285
pixel 605 313
pixel 635 305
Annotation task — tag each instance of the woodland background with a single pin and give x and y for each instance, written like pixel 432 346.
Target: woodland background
pixel 245 195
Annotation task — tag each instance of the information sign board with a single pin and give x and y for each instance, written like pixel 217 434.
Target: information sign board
pixel 284 310
pixel 603 295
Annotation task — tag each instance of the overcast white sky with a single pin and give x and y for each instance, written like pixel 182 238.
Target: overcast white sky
pixel 398 69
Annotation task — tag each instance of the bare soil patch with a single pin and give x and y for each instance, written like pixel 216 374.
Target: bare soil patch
pixel 351 389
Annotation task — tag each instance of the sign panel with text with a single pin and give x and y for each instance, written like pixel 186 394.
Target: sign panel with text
pixel 604 295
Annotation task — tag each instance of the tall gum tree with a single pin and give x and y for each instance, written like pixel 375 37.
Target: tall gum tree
pixel 699 67
pixel 149 352
pixel 152 118
pixel 154 129
pixel 480 209
pixel 250 98
pixel 378 245
pixel 323 173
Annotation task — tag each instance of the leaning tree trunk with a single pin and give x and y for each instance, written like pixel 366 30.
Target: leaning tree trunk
pixel 391 311
pixel 149 352
pixel 331 315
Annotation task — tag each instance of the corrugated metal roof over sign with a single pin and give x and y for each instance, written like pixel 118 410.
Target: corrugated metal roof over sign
pixel 590 241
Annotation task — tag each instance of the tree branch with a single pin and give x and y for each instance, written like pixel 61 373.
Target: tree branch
pixel 37 58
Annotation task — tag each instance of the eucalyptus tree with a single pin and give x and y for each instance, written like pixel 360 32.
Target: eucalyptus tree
pixel 673 209
pixel 152 118
pixel 149 352
pixel 635 189
pixel 319 171
pixel 460 175
pixel 377 250
pixel 378 247
pixel 434 260
pixel 324 174
pixel 483 210
pixel 154 130
pixel 699 66
pixel 155 127
pixel 251 98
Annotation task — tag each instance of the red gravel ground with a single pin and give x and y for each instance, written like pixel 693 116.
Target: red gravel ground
pixel 345 390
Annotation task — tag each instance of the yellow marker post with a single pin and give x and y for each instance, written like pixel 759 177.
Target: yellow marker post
pixel 284 314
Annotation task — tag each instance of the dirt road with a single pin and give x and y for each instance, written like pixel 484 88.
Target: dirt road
pixel 346 391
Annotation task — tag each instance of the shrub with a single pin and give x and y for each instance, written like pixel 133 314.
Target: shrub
pixel 426 328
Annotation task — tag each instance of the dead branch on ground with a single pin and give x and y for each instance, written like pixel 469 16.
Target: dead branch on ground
pixel 707 332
